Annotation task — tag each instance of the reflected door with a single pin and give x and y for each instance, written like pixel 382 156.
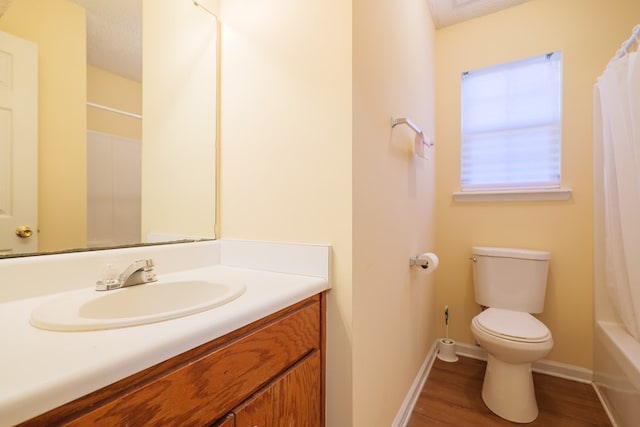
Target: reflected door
pixel 18 145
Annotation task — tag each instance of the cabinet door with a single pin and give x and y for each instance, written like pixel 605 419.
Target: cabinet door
pixel 291 400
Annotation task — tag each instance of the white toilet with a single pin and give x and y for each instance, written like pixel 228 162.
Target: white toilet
pixel 510 283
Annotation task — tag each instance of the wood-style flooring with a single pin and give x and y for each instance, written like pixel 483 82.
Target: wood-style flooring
pixel 452 397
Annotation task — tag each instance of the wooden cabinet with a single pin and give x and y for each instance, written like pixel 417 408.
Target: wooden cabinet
pixel 292 400
pixel 269 373
pixel 228 421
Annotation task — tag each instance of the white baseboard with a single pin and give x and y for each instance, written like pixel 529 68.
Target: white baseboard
pixel 402 418
pixel 543 366
pixel 472 351
pixel 548 367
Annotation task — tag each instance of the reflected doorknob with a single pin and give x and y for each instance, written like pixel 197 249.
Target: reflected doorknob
pixel 24 231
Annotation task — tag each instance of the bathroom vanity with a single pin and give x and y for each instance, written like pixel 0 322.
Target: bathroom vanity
pixel 267 371
pixel 257 360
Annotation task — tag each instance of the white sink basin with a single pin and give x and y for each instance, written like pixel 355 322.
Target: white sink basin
pixel 88 309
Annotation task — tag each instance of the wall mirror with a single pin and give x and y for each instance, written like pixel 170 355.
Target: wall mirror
pixel 126 112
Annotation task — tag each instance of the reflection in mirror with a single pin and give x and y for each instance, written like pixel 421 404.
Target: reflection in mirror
pixel 105 175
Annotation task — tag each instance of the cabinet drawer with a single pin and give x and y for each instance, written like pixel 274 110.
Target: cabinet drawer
pixel 206 387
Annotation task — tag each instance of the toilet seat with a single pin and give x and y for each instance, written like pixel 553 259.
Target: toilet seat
pixel 512 325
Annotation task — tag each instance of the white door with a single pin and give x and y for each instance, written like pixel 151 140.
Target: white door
pixel 18 145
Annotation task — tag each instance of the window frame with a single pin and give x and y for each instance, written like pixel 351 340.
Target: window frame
pixel 544 189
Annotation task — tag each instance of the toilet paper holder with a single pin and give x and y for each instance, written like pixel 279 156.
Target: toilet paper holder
pixel 413 261
pixel 425 261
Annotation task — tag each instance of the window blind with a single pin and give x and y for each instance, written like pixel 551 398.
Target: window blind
pixel 511 125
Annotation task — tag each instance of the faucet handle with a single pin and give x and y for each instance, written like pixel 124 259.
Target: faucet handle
pixel 109 279
pixel 108 284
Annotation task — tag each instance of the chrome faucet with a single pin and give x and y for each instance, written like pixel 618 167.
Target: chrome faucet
pixel 138 273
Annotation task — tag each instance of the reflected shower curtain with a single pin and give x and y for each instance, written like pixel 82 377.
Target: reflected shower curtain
pixel 617 99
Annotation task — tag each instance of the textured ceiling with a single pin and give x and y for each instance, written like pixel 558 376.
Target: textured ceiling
pixel 449 12
pixel 114 28
pixel 114 36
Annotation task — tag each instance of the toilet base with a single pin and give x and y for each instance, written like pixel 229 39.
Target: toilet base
pixel 508 391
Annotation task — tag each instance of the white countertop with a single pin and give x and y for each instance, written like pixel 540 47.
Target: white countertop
pixel 40 370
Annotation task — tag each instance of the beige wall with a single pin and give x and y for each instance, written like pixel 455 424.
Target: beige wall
pixel 308 89
pixel 179 125
pixel 58 27
pixel 588 32
pixel 393 204
pixel 286 146
pixel 114 91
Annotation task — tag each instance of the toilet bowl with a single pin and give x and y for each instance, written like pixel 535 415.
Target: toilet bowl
pixel 510 284
pixel 513 341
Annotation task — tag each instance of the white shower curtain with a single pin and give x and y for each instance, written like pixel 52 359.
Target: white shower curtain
pixel 617 98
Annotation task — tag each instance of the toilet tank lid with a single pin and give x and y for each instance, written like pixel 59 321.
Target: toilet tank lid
pixel 510 253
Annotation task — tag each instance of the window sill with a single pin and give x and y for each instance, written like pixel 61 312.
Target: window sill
pixel 513 195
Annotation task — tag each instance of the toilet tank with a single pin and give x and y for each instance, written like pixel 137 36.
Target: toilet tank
pixel 513 279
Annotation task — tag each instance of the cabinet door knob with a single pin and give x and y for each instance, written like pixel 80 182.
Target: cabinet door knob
pixel 24 232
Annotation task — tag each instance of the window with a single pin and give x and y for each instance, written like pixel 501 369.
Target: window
pixel 511 125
